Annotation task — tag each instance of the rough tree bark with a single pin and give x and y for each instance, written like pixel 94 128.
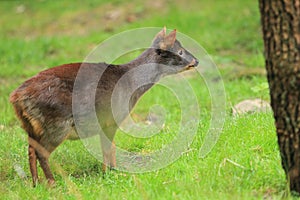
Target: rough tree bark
pixel 281 33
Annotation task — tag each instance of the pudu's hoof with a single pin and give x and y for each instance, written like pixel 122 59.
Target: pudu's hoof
pixel 51 182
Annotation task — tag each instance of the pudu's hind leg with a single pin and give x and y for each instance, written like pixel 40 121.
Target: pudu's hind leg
pixel 32 164
pixel 37 151
pixel 29 128
pixel 44 162
pixel 48 143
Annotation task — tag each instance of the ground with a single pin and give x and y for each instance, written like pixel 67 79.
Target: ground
pixel 245 163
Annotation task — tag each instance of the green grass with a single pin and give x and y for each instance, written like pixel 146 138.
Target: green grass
pixel 245 163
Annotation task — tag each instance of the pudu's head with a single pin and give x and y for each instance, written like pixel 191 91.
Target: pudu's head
pixel 170 52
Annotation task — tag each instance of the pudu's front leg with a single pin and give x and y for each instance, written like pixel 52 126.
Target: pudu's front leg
pixel 108 148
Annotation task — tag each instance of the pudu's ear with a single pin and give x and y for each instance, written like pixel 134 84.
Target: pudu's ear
pixel 161 34
pixel 170 39
pixel 159 39
pixel 163 41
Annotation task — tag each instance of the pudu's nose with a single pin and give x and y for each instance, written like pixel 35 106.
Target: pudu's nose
pixel 196 62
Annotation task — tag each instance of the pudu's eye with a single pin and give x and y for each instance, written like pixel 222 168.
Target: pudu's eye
pixel 180 52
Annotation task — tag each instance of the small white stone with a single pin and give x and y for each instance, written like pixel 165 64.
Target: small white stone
pixel 251 106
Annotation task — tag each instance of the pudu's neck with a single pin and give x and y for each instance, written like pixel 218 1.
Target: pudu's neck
pixel 145 68
pixel 142 73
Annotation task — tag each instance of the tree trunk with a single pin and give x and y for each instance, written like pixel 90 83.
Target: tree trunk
pixel 281 33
